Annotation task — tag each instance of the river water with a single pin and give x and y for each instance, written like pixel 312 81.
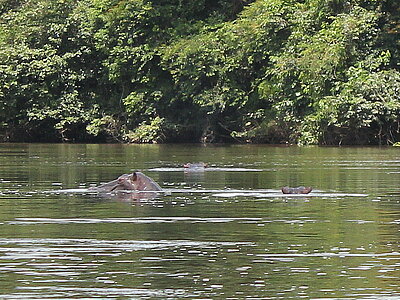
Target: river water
pixel 226 232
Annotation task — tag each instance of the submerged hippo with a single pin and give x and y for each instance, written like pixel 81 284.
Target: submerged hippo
pixel 296 190
pixel 136 181
pixel 195 166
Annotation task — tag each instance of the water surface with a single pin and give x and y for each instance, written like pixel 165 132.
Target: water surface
pixel 226 233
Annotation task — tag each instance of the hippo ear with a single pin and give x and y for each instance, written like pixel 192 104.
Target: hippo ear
pixel 134 176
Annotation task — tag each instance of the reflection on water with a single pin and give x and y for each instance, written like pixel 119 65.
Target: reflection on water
pixel 229 233
pixel 208 169
pixel 24 221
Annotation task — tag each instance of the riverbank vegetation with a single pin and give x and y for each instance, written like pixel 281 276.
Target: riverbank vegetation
pixel 156 71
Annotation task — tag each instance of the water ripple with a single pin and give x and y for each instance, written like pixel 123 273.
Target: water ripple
pixel 39 292
pixel 30 221
pixel 291 256
pixel 233 169
pixel 82 244
pixel 256 194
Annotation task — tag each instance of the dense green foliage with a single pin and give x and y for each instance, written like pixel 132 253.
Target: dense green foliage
pixel 266 71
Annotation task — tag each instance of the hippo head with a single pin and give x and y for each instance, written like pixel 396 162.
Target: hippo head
pixel 296 190
pixel 124 182
pixel 141 182
pixel 136 181
pixel 306 190
pixel 195 165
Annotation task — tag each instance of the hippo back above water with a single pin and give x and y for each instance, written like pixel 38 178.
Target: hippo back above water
pixel 296 190
pixel 136 181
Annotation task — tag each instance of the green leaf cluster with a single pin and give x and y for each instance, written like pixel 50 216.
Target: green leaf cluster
pixel 144 71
